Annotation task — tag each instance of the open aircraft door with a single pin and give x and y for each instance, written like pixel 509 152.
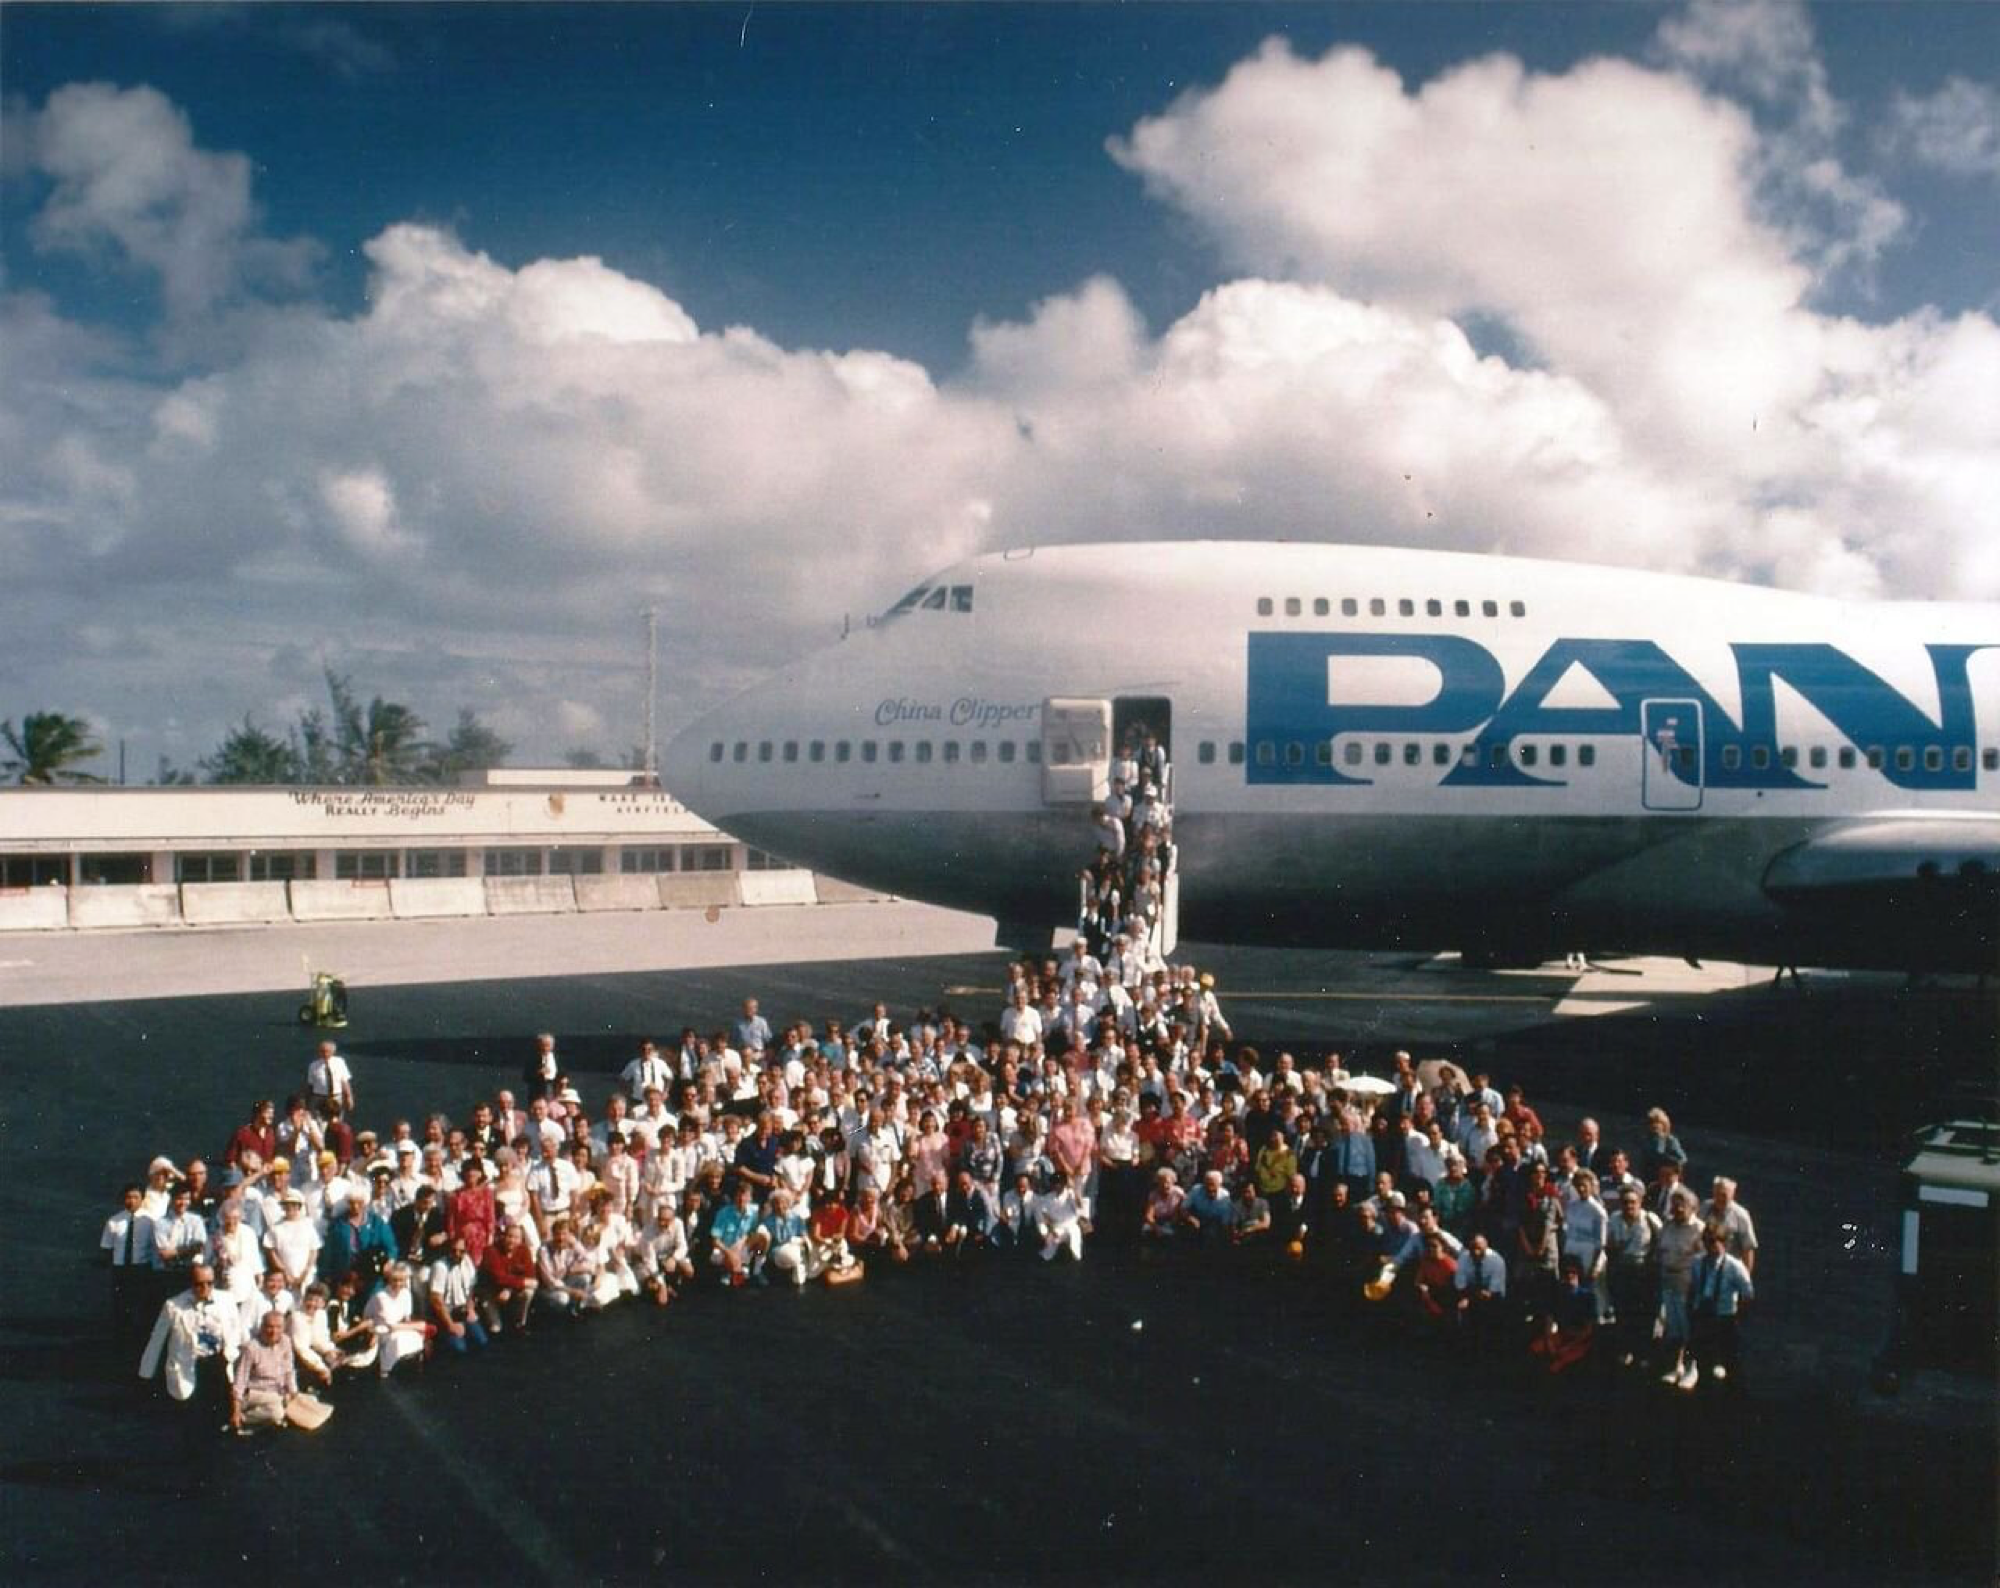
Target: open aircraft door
pixel 1076 751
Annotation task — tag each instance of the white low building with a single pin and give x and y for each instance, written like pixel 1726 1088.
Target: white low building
pixel 513 824
pixel 511 840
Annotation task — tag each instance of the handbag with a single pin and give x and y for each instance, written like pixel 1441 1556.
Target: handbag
pixel 307 1412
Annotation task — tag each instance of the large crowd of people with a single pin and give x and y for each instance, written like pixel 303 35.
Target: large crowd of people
pixel 1106 1103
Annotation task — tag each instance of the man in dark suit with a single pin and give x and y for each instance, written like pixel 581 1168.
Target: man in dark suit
pixel 969 1214
pixel 1291 1216
pixel 933 1215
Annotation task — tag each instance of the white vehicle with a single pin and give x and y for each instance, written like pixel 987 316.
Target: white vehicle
pixel 1377 747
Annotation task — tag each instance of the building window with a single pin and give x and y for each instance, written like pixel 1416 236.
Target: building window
pixel 1236 752
pixel 371 865
pixel 208 868
pixel 645 862
pixel 434 863
pixel 513 862
pixel 576 862
pixel 1263 606
pixel 759 860
pixel 1205 752
pixel 284 866
pixel 705 857
pixel 33 871
pixel 117 871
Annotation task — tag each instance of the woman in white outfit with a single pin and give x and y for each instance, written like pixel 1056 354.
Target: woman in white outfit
pixel 397 1333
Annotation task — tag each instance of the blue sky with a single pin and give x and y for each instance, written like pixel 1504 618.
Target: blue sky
pixel 207 377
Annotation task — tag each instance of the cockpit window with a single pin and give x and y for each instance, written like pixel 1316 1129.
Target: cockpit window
pixel 933 598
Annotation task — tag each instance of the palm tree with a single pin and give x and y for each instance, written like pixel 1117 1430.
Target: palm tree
pixel 47 747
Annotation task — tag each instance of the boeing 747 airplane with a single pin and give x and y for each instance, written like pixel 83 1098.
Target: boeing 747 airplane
pixel 1375 747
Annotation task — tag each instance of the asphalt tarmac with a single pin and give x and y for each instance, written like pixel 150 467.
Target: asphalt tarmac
pixel 1122 1420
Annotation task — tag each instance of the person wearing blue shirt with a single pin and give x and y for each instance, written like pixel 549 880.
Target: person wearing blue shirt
pixel 1209 1210
pixel 753 1031
pixel 1720 1288
pixel 1354 1158
pixel 783 1234
pixel 738 1242
pixel 360 1242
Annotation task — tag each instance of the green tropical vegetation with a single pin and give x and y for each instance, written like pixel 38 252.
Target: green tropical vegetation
pixel 47 749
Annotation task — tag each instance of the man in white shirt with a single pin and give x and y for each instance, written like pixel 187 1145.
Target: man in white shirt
pixel 453 1292
pixel 1020 1021
pixel 647 1070
pixel 127 1243
pixel 552 1182
pixel 328 1076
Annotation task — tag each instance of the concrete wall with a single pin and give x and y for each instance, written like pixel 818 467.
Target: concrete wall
pixel 529 895
pixel 422 898
pixel 694 890
pixel 154 904
pixel 832 890
pixel 340 901
pixel 634 892
pixel 777 887
pixel 234 903
pixel 33 909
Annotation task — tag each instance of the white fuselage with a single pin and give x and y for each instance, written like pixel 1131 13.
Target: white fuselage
pixel 1384 747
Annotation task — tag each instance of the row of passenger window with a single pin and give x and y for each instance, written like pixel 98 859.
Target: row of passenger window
pixel 1353 752
pixel 869 751
pixel 1378 607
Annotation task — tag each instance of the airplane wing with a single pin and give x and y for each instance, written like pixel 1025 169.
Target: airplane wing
pixel 1928 883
